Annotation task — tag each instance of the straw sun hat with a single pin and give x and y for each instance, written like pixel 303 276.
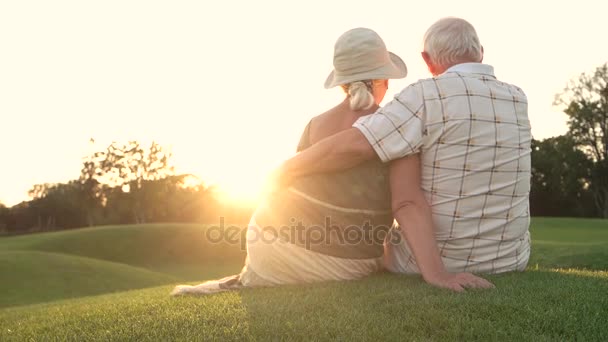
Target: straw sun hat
pixel 360 54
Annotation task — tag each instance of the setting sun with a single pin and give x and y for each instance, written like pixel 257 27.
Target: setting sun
pixel 241 181
pixel 241 188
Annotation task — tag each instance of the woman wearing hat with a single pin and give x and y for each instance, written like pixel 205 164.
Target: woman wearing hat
pixel 326 226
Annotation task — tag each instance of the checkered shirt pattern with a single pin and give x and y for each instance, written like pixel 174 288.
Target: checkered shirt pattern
pixel 473 134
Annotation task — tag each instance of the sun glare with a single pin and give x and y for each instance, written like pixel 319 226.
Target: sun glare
pixel 240 185
pixel 238 171
pixel 240 190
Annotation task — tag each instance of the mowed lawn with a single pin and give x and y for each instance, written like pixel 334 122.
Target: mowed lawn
pixel 112 283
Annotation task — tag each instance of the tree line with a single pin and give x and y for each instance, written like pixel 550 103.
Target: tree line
pixel 570 172
pixel 128 183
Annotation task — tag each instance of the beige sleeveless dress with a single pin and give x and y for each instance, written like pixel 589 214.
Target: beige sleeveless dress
pixel 325 227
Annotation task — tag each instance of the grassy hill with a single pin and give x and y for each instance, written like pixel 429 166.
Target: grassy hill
pixel 179 250
pixel 113 283
pixel 34 277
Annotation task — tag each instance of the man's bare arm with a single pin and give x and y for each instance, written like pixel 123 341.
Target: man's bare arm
pixel 337 152
pixel 413 214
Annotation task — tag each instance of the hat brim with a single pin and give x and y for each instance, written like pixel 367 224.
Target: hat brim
pixel 393 70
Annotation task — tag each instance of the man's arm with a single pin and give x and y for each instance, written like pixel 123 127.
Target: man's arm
pixel 337 152
pixel 413 214
pixel 395 130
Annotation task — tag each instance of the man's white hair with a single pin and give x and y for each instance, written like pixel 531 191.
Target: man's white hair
pixel 452 41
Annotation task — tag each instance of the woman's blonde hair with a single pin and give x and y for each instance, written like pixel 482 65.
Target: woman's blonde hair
pixel 361 94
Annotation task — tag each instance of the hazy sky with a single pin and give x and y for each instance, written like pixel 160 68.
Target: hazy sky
pixel 229 85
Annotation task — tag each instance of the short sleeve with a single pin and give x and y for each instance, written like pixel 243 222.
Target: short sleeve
pixel 396 130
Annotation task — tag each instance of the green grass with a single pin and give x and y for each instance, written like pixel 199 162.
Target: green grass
pixel 179 250
pixel 54 283
pixel 34 277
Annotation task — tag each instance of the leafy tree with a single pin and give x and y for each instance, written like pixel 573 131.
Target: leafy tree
pixel 586 103
pixel 130 164
pixel 39 191
pixel 131 168
pixel 178 198
pixel 57 206
pixel 41 207
pixel 92 193
pixel 560 179
pixel 4 213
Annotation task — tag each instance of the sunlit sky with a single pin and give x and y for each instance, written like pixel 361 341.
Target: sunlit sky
pixel 229 85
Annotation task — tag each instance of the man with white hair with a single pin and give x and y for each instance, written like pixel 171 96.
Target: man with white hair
pixel 459 147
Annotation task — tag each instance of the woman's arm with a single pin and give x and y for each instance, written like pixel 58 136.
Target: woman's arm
pixel 414 216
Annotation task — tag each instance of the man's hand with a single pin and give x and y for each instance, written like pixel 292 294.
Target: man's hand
pixel 458 281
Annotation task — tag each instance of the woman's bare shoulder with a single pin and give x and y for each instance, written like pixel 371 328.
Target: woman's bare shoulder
pixel 328 115
pixel 327 124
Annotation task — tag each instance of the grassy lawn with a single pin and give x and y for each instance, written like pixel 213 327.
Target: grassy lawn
pixel 113 283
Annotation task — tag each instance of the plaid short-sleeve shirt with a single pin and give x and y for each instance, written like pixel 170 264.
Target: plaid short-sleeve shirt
pixel 473 134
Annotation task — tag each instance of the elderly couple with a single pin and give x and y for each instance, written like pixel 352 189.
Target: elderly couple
pixel 448 158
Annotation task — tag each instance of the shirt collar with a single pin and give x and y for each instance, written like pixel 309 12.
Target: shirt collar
pixel 473 68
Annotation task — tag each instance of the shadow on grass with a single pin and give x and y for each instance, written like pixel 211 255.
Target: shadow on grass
pixel 534 305
pixel 31 277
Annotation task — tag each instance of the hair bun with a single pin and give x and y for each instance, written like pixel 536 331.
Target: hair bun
pixel 360 93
